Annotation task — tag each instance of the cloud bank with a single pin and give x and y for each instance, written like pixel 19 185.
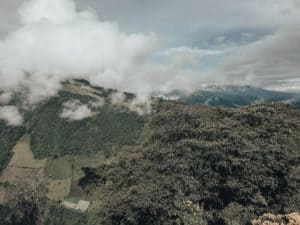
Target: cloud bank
pixel 75 110
pixel 57 42
pixel 11 115
pixel 272 62
pixel 5 97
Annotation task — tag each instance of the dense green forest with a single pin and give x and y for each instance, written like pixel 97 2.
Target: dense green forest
pixel 203 165
pixel 54 136
pixel 183 164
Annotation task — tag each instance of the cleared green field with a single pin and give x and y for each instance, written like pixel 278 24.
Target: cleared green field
pixel 58 189
pixel 2 194
pixel 8 138
pixel 62 175
pixel 22 162
pixel 59 169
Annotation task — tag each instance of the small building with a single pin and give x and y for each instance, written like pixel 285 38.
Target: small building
pixel 81 206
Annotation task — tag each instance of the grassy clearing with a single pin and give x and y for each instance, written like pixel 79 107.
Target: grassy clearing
pixel 82 90
pixel 72 199
pixel 22 162
pixel 23 156
pixel 59 169
pixel 2 195
pixel 58 189
pixel 86 161
pixel 11 174
pixel 63 174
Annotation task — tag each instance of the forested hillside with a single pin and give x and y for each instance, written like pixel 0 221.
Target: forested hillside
pixel 109 127
pixel 182 164
pixel 203 165
pixel 98 125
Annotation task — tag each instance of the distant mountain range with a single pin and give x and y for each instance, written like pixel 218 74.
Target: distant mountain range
pixel 239 96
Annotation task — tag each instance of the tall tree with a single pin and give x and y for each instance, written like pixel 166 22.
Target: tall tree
pixel 26 198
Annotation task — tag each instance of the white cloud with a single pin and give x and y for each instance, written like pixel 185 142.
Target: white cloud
pixel 117 98
pixel 11 115
pixel 97 104
pixel 135 105
pixel 54 11
pixel 140 108
pixel 75 110
pixel 200 16
pixel 192 51
pixel 273 61
pixel 5 97
pixel 57 43
pixel 183 55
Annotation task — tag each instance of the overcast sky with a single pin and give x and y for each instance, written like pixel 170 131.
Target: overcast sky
pixel 188 22
pixel 253 42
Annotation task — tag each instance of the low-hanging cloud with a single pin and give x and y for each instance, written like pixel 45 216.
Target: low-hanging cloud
pixel 75 110
pixel 117 98
pixel 97 104
pixel 271 62
pixel 57 42
pixel 5 97
pixel 11 115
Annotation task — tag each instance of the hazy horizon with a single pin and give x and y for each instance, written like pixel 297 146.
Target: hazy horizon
pixel 145 46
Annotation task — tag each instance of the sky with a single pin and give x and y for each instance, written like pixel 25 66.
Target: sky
pixel 148 46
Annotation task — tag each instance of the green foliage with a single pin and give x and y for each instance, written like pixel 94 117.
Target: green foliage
pixel 53 215
pixel 8 138
pixel 57 215
pixel 203 165
pixel 54 136
pixel 5 215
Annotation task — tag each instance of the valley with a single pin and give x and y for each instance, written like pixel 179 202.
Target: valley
pixel 149 112
pixel 185 163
